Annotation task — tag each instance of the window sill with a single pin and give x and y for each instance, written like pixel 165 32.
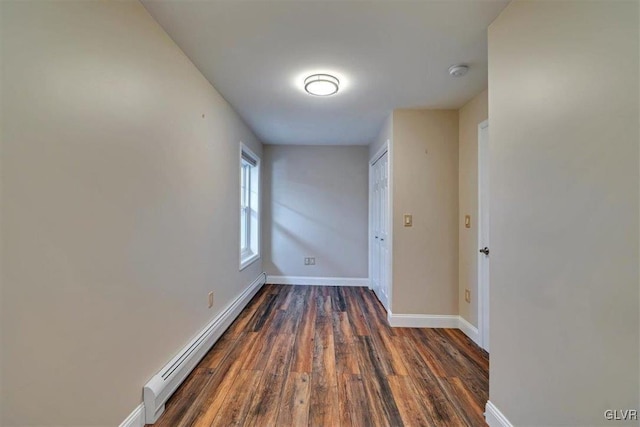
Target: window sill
pixel 247 260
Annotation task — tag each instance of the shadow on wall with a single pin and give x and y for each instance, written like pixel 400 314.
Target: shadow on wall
pixel 316 205
pixel 292 224
pixel 317 221
pixel 305 248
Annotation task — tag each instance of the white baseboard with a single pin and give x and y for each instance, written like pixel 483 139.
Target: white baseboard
pixel 135 418
pixel 318 281
pixel 162 385
pixel 469 330
pixel 423 320
pixel 434 321
pixel 494 417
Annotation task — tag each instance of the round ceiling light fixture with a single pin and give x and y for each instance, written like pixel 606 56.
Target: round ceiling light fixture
pixel 458 70
pixel 321 85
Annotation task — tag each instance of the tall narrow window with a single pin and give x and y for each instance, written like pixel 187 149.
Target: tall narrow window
pixel 249 207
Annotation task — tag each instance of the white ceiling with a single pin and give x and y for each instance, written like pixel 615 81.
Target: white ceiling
pixel 387 54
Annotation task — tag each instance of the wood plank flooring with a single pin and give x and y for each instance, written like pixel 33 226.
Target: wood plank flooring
pixel 325 356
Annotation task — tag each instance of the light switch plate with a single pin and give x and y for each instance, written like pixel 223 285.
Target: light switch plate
pixel 408 220
pixel 467 221
pixel 467 295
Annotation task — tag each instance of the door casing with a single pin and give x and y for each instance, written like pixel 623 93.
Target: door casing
pixel 483 234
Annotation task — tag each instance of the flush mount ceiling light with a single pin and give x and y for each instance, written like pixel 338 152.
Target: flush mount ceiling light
pixel 321 85
pixel 458 70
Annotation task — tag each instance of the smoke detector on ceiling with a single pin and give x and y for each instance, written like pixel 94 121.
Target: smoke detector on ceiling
pixel 458 70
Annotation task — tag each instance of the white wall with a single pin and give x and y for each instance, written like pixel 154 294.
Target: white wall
pixel 120 193
pixel 563 105
pixel 316 205
pixel 384 135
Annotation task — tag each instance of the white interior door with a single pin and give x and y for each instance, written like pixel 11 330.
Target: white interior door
pixel 380 228
pixel 483 234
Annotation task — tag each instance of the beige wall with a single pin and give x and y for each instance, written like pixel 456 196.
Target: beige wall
pixel 563 103
pixel 425 184
pixel 316 204
pixel 471 115
pixel 119 208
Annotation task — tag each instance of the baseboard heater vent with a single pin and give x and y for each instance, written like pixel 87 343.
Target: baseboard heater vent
pixel 165 382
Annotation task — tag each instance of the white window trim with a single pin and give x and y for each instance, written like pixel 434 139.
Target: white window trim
pixel 245 250
pixel 248 257
pixel 246 262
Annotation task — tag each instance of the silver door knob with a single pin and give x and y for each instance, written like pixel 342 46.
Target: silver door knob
pixel 485 250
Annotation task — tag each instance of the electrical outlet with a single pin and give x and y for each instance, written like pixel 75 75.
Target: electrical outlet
pixel 467 295
pixel 210 299
pixel 312 261
pixel 306 261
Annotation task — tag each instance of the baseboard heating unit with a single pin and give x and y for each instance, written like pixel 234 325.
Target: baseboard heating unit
pixel 165 382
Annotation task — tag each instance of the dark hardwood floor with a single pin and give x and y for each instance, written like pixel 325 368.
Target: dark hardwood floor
pixel 325 356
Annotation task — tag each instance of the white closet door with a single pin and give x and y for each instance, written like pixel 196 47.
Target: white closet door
pixel 384 230
pixel 379 229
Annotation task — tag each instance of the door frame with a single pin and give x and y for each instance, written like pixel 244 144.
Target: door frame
pixel 484 187
pixel 385 148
